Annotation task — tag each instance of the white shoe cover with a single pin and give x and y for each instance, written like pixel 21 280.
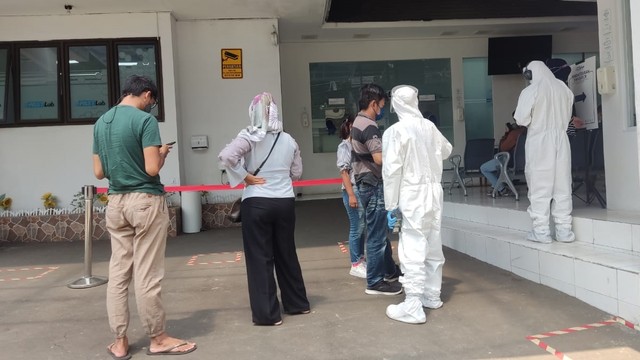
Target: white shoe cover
pixel 409 311
pixel 565 235
pixel 431 303
pixel 539 237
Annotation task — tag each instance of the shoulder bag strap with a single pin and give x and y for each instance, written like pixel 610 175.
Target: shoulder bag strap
pixel 265 160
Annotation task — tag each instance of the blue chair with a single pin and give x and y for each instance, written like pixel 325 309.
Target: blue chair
pixel 476 153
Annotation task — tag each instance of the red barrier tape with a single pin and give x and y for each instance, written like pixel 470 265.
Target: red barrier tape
pixel 299 183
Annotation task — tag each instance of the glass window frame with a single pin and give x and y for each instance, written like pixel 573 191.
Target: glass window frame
pixel 11 112
pixel 18 84
pixel 7 73
pixel 116 74
pixel 67 77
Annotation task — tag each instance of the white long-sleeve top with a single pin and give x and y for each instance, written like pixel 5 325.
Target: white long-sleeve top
pixel 243 156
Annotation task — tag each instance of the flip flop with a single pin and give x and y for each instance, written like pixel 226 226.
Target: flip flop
pixel 127 356
pixel 170 351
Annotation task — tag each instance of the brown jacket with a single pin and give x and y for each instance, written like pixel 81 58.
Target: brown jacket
pixel 508 141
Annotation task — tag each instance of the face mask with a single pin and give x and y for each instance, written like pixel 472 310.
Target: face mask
pixel 381 114
pixel 150 107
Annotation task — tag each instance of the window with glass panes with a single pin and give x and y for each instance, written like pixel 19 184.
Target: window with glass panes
pixel 71 81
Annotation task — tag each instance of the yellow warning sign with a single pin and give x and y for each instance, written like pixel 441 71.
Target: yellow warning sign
pixel 231 63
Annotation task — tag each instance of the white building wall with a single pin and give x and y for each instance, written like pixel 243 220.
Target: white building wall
pixel 635 35
pixel 620 140
pixel 57 159
pixel 216 107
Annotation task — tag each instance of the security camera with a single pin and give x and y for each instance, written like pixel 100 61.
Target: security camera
pixel 68 7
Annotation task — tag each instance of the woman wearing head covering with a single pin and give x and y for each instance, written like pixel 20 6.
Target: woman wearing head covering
pixel 412 153
pixel 268 214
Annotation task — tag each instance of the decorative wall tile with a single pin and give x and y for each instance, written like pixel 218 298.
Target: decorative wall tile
pixel 67 227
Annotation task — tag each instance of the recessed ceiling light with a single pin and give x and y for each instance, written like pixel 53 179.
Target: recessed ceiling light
pixel 74 62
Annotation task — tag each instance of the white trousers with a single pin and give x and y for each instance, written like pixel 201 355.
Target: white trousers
pixel 421 261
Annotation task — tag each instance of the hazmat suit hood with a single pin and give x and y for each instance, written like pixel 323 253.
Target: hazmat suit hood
pixel 546 103
pixel 404 102
pixel 560 69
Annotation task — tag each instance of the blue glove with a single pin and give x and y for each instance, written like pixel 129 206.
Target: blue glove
pixel 391 219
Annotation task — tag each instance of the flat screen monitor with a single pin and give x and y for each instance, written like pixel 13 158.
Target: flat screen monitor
pixel 508 55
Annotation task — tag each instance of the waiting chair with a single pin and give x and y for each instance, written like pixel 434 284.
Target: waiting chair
pixel 476 153
pixel 596 166
pixel 579 160
pixel 511 169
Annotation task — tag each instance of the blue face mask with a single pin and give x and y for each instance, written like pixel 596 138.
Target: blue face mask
pixel 379 116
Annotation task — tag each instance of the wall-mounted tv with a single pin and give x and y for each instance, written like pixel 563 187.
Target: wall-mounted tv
pixel 508 55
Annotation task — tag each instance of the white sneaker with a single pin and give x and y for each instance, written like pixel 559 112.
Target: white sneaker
pixel 431 303
pixel 409 311
pixel 538 237
pixel 565 235
pixel 359 270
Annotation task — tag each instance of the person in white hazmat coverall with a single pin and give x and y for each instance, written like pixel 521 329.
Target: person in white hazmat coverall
pixel 544 107
pixel 412 151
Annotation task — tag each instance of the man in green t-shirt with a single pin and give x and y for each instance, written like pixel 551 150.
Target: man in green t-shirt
pixel 128 151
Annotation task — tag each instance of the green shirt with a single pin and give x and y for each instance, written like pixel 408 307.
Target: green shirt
pixel 119 137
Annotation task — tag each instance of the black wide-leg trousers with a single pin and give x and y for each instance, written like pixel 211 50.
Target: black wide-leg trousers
pixel 268 227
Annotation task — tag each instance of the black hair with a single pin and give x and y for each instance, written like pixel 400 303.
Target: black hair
pixel 345 127
pixel 371 92
pixel 137 84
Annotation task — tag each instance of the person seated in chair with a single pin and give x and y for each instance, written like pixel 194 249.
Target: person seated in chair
pixel 491 168
pixel 331 127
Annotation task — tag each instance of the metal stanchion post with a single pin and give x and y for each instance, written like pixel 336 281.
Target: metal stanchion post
pixel 87 280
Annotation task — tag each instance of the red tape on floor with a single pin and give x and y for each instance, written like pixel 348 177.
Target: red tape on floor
pixel 47 270
pixel 299 183
pixel 194 259
pixel 544 346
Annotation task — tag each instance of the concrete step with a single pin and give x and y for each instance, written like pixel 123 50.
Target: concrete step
pixel 602 276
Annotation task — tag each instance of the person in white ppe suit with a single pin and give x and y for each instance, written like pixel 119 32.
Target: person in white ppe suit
pixel 412 151
pixel 544 107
